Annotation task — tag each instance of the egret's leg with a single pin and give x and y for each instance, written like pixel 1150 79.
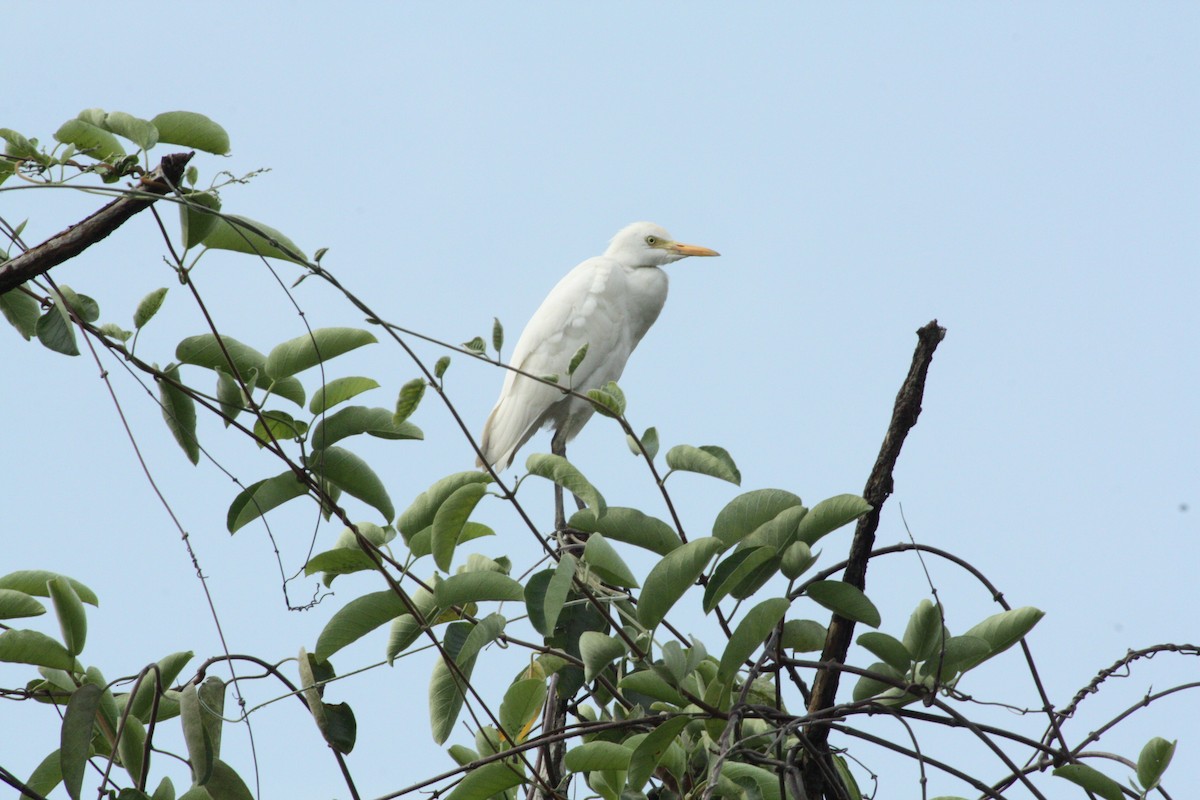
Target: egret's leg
pixel 549 766
pixel 558 446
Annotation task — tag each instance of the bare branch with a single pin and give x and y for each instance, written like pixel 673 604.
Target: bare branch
pixel 879 488
pixel 77 238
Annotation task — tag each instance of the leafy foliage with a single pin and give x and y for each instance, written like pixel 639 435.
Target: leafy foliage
pixel 597 625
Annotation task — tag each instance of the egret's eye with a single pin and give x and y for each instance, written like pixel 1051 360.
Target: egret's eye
pixel 651 240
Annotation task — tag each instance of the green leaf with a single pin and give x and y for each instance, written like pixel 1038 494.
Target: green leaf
pixel 421 544
pixel 84 307
pixel 211 694
pixel 609 400
pixel 165 790
pixel 849 785
pixel 477 587
pixel 114 331
pixel 190 129
pixel 33 647
pixel 752 781
pixel 376 535
pixel 707 460
pixel 14 605
pixel 544 608
pixel 734 570
pixel 751 582
pixel 179 412
pixel 314 673
pixel 562 472
pixel 90 139
pixel 959 654
pixel 259 498
pixel 796 560
pixel 21 311
pixel 630 526
pixel 846 600
pixel 606 563
pixel 476 345
pixel 206 351
pixel 108 704
pixel 72 620
pixel 131 747
pixel 1090 779
pixel 148 306
pixel 439 369
pixel 352 475
pixel 650 751
pixel 804 635
pixel 405 629
pixel 339 391
pixel 356 619
pixel 597 651
pixel 55 332
pixel 577 359
pixel 34 582
pixel 353 420
pixel 650 442
pixel 779 533
pixel 278 426
pixel 747 512
pixel 497 335
pixel 1153 761
pixel 420 514
pixel 748 636
pixel 653 685
pixel 924 634
pixel 169 668
pixel 451 518
pixel 240 234
pixel 521 707
pixel 75 744
pixel 323 344
pixel 867 686
pixel 598 755
pixel 226 784
pixel 483 633
pixel 447 685
pixel 490 780
pixel 17 144
pixel 462 755
pixel 1001 631
pixel 46 776
pixel 141 132
pixel 229 396
pixel 681 663
pixel 195 734
pixel 339 561
pixel 829 515
pixel 408 399
pixel 198 217
pixel 887 648
pixel 93 116
pixel 671 577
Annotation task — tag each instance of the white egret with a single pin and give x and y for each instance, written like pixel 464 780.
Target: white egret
pixel 607 303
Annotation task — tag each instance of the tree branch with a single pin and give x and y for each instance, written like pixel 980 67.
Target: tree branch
pixel 77 238
pixel 879 487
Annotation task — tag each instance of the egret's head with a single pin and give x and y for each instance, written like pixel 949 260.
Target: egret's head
pixel 644 244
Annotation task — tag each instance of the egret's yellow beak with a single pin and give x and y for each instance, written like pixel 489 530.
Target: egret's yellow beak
pixel 691 250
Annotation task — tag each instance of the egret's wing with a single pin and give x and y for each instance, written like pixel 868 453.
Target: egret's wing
pixel 578 311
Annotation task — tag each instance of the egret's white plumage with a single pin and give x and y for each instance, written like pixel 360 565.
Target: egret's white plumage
pixel 608 303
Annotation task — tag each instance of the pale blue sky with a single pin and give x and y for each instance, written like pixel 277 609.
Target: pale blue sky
pixel 1026 173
